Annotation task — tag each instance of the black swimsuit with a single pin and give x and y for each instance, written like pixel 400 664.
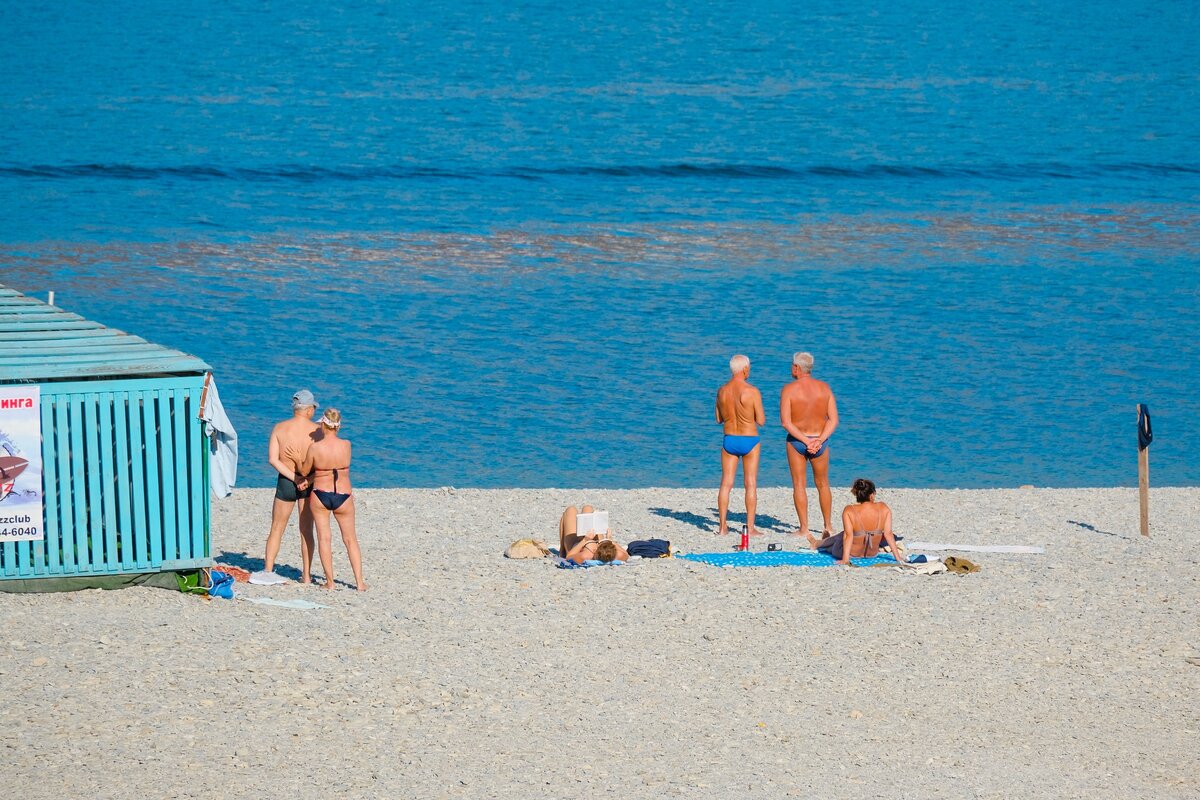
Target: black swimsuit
pixel 332 500
pixel 286 490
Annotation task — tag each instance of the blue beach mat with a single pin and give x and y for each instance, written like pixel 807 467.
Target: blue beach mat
pixel 780 558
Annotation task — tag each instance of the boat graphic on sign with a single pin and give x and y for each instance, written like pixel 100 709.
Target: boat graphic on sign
pixel 11 467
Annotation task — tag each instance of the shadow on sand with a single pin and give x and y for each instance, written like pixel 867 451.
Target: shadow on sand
pixel 708 524
pixel 255 563
pixel 1094 529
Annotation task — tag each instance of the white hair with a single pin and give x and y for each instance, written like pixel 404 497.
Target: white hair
pixel 804 361
pixel 738 363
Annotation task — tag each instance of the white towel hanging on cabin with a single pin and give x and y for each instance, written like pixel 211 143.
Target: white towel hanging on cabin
pixel 222 442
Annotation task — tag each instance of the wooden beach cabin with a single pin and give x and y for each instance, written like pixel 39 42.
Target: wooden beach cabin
pixel 123 455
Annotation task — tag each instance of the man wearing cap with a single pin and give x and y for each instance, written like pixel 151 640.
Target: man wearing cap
pixel 289 445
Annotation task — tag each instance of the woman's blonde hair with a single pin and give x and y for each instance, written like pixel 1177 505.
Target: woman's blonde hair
pixel 332 418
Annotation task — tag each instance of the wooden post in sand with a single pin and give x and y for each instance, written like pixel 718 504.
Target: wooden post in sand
pixel 1144 489
pixel 1143 479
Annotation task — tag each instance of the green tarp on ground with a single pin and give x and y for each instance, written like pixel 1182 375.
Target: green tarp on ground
pixel 159 580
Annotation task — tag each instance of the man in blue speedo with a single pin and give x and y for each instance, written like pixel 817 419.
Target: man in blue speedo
pixel 808 412
pixel 740 412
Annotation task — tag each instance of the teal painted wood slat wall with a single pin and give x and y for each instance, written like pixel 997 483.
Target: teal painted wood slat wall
pixel 125 467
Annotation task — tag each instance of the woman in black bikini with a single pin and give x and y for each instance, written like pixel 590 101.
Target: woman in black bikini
pixel 328 468
pixel 867 525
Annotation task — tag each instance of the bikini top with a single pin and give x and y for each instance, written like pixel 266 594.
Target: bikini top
pixel 870 542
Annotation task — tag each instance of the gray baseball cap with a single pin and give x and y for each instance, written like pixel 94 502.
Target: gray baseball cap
pixel 303 398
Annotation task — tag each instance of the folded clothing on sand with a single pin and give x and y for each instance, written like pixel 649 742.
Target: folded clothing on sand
pixel 933 567
pixel 237 573
pixel 649 548
pixel 780 558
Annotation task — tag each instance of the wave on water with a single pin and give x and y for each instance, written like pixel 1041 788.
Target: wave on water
pixel 694 171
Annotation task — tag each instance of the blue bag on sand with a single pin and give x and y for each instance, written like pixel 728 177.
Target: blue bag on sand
pixel 649 548
pixel 222 585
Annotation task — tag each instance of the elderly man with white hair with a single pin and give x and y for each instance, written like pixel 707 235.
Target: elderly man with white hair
pixel 740 412
pixel 808 412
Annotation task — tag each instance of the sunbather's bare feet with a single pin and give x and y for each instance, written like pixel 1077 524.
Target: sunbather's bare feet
pixel 755 532
pixel 306 581
pixel 362 587
pixel 724 531
pixel 812 540
pixel 328 585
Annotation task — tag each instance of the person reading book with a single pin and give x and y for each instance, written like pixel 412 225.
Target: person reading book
pixel 579 541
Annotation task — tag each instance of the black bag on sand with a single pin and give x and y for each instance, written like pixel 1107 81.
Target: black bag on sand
pixel 650 548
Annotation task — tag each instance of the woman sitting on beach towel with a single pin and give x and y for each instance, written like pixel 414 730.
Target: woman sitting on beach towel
pixel 588 546
pixel 328 466
pixel 867 524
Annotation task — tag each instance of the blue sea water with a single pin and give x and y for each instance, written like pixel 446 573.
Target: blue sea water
pixel 516 243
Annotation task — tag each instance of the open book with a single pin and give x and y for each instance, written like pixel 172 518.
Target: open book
pixel 595 522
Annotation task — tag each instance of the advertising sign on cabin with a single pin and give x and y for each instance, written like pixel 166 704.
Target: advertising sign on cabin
pixel 21 464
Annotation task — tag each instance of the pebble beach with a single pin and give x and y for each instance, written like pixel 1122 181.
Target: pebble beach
pixel 465 674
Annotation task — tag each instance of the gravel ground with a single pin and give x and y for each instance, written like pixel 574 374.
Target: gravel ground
pixel 464 674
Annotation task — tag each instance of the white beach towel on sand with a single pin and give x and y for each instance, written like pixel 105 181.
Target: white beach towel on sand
pixel 977 548
pixel 270 601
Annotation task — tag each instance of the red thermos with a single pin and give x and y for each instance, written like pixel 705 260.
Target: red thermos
pixel 745 539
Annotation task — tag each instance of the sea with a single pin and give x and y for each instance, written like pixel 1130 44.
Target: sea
pixel 516 243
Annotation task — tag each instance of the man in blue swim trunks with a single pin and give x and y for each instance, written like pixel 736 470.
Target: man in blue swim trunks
pixel 808 412
pixel 740 412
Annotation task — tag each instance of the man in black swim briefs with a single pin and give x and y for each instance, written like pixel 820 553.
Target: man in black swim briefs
pixel 287 450
pixel 808 412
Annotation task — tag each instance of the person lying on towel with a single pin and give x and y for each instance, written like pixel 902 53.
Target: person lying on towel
pixel 867 524
pixel 588 546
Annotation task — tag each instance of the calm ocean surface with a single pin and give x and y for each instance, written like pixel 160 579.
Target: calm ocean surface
pixel 516 243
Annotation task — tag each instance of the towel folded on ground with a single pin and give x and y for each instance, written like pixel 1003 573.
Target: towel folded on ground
pixel 780 558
